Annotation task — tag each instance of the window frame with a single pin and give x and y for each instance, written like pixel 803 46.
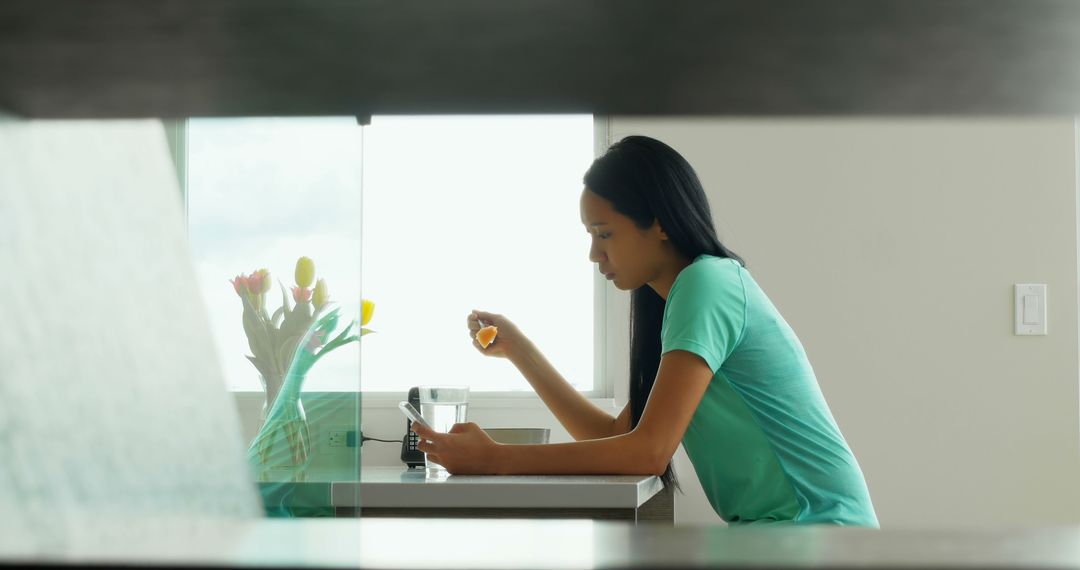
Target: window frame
pixel 603 392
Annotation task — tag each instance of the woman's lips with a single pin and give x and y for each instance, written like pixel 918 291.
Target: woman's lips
pixel 609 275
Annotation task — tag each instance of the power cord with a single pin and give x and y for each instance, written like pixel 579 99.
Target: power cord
pixel 364 438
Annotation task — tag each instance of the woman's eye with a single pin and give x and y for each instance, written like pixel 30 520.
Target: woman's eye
pixel 604 235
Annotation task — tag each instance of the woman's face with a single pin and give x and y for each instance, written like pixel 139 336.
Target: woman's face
pixel 624 253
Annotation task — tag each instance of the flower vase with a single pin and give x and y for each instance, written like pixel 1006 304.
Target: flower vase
pixel 271 387
pixel 281 449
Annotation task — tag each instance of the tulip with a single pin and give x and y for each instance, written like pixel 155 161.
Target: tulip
pixel 265 273
pixel 239 285
pixel 305 272
pixel 367 308
pixel 255 283
pixel 321 296
pixel 301 295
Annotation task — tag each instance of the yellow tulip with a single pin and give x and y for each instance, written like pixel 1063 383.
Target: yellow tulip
pixel 367 308
pixel 321 295
pixel 305 272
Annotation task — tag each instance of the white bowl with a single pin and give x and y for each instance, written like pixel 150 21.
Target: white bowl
pixel 519 435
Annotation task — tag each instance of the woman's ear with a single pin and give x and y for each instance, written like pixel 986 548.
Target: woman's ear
pixel 659 229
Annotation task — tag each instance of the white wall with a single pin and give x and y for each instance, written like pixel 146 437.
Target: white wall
pixel 892 247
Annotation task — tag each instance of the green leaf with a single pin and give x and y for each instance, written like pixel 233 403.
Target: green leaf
pixel 304 308
pixel 276 319
pixel 284 299
pixel 336 343
pixel 340 339
pixel 365 331
pixel 259 340
pixel 286 351
pixel 259 366
pixel 344 332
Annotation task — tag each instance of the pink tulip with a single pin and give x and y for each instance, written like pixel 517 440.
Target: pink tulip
pixel 301 294
pixel 252 286
pixel 255 283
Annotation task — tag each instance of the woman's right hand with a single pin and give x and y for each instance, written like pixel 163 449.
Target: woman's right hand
pixel 508 342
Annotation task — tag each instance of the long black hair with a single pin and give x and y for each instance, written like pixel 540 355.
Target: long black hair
pixel 646 181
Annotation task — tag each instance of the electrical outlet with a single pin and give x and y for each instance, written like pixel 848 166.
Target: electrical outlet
pixel 338 437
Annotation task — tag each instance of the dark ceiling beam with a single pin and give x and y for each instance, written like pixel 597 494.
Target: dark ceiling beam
pixel 171 58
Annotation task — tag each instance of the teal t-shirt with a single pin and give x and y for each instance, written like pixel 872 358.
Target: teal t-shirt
pixel 763 441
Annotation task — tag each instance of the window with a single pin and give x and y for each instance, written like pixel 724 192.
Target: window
pixel 261 193
pixel 458 212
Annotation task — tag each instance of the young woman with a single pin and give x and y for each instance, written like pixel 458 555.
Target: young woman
pixel 713 365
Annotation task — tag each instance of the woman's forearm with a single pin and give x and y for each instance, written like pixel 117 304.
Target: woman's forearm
pixel 578 415
pixel 626 454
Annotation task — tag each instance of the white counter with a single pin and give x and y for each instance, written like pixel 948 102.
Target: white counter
pixel 397 487
pixel 397 492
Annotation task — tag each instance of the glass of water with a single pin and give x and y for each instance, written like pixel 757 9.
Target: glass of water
pixel 442 407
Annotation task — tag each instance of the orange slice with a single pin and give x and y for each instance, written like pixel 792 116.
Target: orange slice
pixel 487 334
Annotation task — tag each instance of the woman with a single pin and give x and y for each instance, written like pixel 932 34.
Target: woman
pixel 713 365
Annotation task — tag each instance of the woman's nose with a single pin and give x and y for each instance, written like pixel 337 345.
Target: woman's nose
pixel 595 255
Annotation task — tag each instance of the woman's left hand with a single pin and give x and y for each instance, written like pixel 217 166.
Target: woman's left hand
pixel 465 450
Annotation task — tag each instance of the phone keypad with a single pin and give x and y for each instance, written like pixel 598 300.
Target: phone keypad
pixel 414 440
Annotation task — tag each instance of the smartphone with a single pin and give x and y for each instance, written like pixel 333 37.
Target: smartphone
pixel 411 413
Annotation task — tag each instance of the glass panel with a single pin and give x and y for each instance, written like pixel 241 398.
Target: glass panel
pixel 459 213
pixel 274 221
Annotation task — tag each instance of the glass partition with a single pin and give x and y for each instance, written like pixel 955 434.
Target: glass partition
pixel 274 219
pixel 276 209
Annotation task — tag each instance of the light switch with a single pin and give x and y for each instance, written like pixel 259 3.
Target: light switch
pixel 1031 310
pixel 1030 307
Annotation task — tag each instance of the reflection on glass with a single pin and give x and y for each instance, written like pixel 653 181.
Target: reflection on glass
pixel 274 221
pixel 459 213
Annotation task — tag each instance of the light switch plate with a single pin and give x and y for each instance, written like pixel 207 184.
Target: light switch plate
pixel 1030 308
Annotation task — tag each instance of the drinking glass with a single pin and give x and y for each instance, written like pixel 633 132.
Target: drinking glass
pixel 442 407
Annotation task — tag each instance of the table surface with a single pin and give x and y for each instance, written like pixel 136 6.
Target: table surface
pixel 433 544
pixel 400 487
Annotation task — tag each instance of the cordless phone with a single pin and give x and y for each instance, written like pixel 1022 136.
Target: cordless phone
pixel 410 455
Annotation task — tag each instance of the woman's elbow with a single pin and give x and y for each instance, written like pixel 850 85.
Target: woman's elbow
pixel 653 457
pixel 660 465
pixel 658 461
pixel 648 467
